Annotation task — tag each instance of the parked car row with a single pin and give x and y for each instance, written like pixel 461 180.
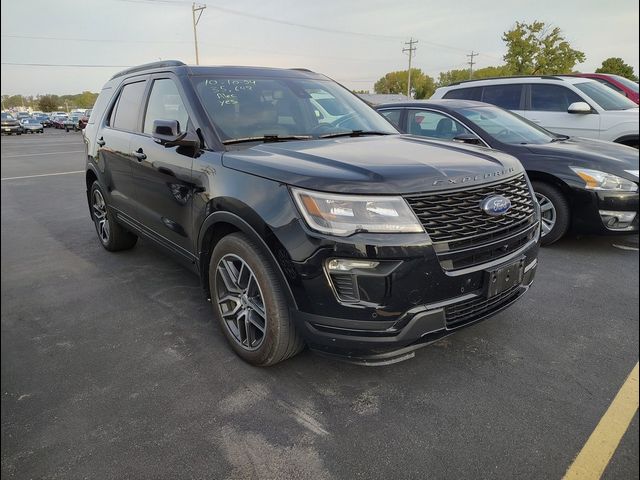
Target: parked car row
pixel 36 122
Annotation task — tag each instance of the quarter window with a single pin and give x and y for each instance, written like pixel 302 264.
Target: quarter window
pixel 125 115
pixel 552 98
pixel 165 103
pixel 504 96
pixel 464 93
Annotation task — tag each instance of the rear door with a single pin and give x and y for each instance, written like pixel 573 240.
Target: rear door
pixel 162 175
pixel 113 146
pixel 548 106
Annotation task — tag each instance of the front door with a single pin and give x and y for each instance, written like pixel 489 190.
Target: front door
pixel 163 175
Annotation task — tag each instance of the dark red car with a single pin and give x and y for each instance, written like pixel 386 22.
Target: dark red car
pixel 622 85
pixel 84 119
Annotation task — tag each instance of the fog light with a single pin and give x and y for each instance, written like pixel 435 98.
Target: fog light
pixel 346 265
pixel 617 220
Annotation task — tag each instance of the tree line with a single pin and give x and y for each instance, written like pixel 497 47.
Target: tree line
pixel 532 49
pixel 50 102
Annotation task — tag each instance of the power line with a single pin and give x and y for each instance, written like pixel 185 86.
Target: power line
pixel 409 49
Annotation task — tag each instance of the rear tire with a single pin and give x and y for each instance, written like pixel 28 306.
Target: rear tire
pixel 555 212
pixel 113 236
pixel 255 315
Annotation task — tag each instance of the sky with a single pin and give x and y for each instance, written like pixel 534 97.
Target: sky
pixel 354 42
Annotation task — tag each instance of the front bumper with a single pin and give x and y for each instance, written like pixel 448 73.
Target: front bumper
pixel 411 302
pixel 11 129
pixel 596 211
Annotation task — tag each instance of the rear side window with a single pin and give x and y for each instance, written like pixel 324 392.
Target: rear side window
pixel 393 116
pixel 504 96
pixel 165 103
pixel 125 115
pixel 552 98
pixel 464 94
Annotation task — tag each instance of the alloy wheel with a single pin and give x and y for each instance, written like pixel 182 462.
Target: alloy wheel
pixel 548 213
pixel 241 302
pixel 100 216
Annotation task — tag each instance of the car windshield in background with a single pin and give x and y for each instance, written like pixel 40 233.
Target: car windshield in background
pixel 607 98
pixel 254 108
pixel 630 84
pixel 505 126
pixel 32 121
pixel 6 116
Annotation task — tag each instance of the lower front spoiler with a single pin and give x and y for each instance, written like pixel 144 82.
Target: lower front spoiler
pixel 384 347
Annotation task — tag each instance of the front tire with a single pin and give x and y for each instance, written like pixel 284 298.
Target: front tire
pixel 111 234
pixel 249 302
pixel 555 212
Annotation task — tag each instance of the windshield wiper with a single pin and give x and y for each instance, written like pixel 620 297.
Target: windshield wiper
pixel 560 138
pixel 267 139
pixel 353 133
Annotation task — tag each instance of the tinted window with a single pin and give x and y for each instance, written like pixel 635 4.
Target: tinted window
pixel 393 116
pixel 610 85
pixel 605 97
pixel 552 98
pixel 465 93
pixel 627 83
pixel 125 116
pixel 165 103
pixel 427 123
pixel 505 96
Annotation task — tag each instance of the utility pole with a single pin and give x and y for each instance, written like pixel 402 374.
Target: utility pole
pixel 471 62
pixel 196 8
pixel 409 49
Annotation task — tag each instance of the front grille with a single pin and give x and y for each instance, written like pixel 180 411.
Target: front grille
pixel 456 223
pixel 467 311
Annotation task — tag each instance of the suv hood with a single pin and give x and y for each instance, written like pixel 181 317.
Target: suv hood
pixel 607 157
pixel 390 164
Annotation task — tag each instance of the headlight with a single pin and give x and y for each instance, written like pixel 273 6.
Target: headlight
pixel 343 215
pixel 596 180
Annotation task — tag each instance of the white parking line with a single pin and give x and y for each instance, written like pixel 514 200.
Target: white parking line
pixel 41 154
pixel 43 175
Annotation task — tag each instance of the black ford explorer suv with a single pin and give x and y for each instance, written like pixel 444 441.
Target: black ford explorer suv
pixel 332 231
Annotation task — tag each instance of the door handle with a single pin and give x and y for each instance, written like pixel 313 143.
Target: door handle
pixel 101 142
pixel 139 154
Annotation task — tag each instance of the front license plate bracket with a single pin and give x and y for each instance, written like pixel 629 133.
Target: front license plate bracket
pixel 502 279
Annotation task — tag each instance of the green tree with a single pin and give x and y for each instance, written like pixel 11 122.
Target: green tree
pixel 454 76
pixel 616 66
pixel 537 49
pixel 48 103
pixel 422 85
pixel 13 101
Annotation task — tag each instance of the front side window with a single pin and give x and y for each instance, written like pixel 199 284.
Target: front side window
pixel 125 115
pixel 427 123
pixel 504 96
pixel 245 108
pixel 552 98
pixel 605 97
pixel 165 103
pixel 393 116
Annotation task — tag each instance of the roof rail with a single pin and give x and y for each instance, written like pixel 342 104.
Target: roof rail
pixel 546 77
pixel 149 66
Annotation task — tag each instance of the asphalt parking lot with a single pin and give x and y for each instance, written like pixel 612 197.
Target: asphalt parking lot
pixel 111 367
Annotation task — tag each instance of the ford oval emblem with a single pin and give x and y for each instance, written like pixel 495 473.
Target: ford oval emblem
pixel 495 205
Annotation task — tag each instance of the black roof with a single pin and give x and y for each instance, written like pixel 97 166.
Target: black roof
pixel 177 65
pixel 444 104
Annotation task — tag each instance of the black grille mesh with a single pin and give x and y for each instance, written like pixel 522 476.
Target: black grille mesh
pixel 457 216
pixel 463 312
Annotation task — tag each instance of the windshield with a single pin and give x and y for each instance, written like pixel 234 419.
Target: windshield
pixel 630 84
pixel 245 107
pixel 506 127
pixel 6 116
pixel 607 98
pixel 31 120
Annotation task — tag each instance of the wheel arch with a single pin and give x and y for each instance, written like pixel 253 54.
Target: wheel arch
pixel 215 227
pixel 629 140
pixel 90 177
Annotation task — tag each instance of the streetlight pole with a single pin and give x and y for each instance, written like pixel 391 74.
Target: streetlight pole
pixel 196 8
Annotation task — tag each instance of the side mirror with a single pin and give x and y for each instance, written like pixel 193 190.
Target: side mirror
pixel 579 107
pixel 467 138
pixel 167 133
